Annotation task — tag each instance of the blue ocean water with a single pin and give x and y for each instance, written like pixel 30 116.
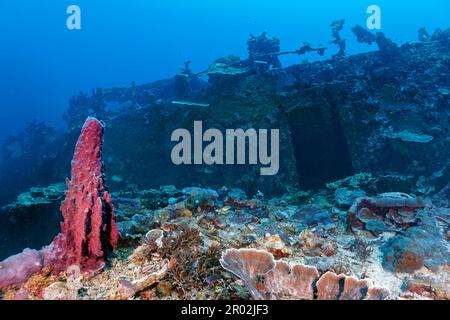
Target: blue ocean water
pixel 43 64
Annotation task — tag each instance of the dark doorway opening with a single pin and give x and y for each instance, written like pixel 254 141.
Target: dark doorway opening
pixel 320 147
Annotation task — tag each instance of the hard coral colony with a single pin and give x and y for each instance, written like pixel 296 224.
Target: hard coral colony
pixel 323 228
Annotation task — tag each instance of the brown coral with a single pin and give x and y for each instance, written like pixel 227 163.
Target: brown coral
pixel 249 265
pixel 313 244
pixel 392 210
pixel 276 246
pixel 341 287
pixel 277 280
pixel 192 264
pixel 290 283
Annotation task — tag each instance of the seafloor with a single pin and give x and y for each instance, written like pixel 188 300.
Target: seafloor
pixel 363 190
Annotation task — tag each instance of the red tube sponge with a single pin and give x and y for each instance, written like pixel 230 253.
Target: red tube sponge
pixel 88 232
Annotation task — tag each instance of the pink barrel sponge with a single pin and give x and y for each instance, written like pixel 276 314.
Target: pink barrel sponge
pixel 88 232
pixel 19 268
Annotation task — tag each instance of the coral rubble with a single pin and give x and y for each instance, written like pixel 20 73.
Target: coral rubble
pixel 175 245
